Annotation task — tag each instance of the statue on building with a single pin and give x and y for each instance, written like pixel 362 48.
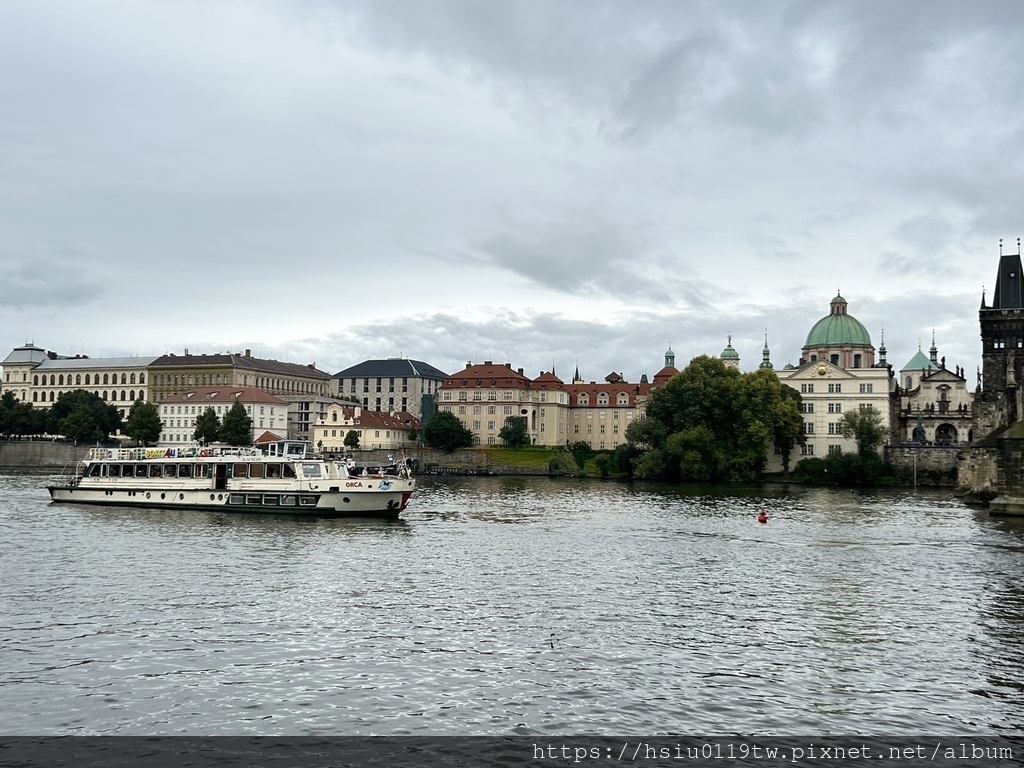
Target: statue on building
pixel 919 433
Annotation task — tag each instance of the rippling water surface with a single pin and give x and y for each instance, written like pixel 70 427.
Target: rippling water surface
pixel 515 606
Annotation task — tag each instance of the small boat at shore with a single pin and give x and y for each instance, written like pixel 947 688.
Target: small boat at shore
pixel 284 479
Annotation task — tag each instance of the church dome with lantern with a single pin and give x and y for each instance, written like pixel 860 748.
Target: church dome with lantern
pixel 840 338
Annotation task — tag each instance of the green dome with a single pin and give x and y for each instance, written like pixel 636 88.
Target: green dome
pixel 729 353
pixel 838 329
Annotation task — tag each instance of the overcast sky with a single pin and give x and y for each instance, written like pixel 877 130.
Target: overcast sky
pixel 541 183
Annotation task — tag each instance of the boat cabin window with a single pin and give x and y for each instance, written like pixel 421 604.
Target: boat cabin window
pixel 289 471
pixel 141 470
pixel 115 470
pixel 154 470
pixel 241 470
pixel 256 469
pixel 127 470
pixel 202 470
pixel 94 470
pixel 184 470
pixel 310 470
pixel 273 470
pixel 170 470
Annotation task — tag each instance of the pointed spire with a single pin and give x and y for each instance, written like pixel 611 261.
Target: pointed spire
pixel 933 352
pixel 670 358
pixel 766 354
pixel 881 351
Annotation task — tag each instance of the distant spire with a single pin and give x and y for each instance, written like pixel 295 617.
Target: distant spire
pixel 933 352
pixel 881 351
pixel 765 354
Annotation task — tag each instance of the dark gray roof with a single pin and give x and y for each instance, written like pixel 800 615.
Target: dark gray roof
pixel 66 363
pixel 240 361
pixel 393 366
pixel 29 353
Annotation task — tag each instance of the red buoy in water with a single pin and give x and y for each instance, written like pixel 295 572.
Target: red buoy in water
pixel 763 517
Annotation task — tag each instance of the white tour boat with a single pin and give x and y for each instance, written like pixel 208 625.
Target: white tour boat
pixel 284 479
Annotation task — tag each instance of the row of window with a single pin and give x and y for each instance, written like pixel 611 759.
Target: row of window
pixel 126 396
pixel 224 379
pixel 218 409
pixel 365 433
pixel 378 387
pixel 858 360
pixel 89 380
pixel 836 388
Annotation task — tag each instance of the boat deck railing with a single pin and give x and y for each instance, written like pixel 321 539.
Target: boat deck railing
pixel 187 452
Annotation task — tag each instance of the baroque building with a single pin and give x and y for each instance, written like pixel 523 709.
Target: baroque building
pixel 556 413
pixel 838 373
pixel 935 403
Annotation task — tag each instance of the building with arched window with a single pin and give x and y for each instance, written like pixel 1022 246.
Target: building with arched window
pixel 40 377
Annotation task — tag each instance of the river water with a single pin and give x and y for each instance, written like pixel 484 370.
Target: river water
pixel 515 606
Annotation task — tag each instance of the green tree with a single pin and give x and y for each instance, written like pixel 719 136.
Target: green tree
pixel 103 419
pixel 711 423
pixel 514 433
pixel 604 462
pixel 18 418
pixel 562 463
pixel 207 427
pixel 626 456
pixel 80 426
pixel 581 452
pixel 352 439
pixel 143 425
pixel 865 426
pixel 774 409
pixel 444 430
pixel 236 428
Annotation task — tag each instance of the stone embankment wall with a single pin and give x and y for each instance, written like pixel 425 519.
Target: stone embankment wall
pixel 432 461
pixel 925 465
pixel 44 454
pixel 993 477
pixel 40 454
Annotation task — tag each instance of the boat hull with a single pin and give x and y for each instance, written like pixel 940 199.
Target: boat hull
pixel 312 503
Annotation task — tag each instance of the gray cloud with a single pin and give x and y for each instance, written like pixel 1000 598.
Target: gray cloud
pixel 49 282
pixel 538 182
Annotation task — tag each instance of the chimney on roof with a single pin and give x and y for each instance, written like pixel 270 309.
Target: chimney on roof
pixel 519 371
pixel 488 362
pixel 248 353
pixel 469 363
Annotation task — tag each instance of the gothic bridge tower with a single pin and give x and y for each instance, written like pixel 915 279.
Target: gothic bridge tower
pixel 1002 339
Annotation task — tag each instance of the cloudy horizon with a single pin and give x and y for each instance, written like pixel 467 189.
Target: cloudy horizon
pixel 552 185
